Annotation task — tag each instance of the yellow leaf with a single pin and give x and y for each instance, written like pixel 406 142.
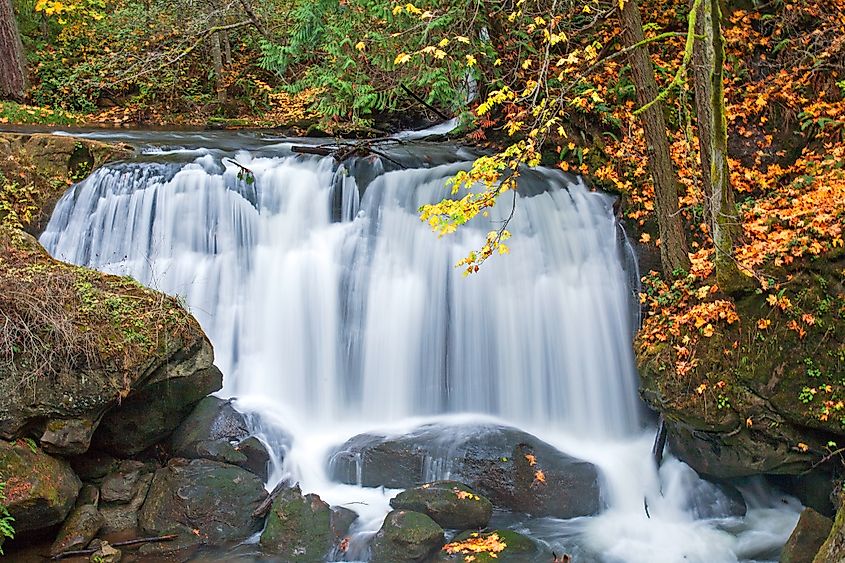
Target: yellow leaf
pixel 360 46
pixel 470 61
pixel 401 58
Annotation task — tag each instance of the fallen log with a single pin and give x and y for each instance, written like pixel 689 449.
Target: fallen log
pixel 263 508
pixel 78 552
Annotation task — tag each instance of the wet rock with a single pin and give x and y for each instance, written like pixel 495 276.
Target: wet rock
pixel 215 499
pixel 833 548
pixel 78 530
pixel 121 486
pixel 153 412
pixel 341 521
pixel 807 537
pixel 40 490
pixel 215 430
pixel 406 536
pixel 68 437
pixel 299 527
pixel 112 326
pixel 503 546
pixel 122 517
pixel 449 503
pixel 93 465
pixel 88 494
pixel 513 469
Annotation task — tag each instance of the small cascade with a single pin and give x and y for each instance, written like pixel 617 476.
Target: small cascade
pixel 333 311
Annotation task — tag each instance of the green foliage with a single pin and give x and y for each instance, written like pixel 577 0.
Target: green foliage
pixel 7 530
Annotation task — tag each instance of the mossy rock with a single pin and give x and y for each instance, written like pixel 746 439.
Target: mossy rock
pixel 503 545
pixel 449 503
pixel 299 527
pixel 773 383
pixel 807 537
pixel 40 489
pixel 78 530
pixel 215 499
pixel 405 537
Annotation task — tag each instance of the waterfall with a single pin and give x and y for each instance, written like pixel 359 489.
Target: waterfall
pixel 333 308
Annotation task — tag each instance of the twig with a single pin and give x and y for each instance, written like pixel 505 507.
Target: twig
pixel 78 552
pixel 423 102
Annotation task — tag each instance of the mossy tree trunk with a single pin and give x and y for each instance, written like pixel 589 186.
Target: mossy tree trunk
pixel 673 248
pixel 13 81
pixel 708 75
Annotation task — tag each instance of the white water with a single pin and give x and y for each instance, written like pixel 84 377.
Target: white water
pixel 329 326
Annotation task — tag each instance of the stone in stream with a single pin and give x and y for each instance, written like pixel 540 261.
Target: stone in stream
pixel 406 537
pixel 206 500
pixel 513 469
pixel 123 517
pixel 215 430
pixel 494 546
pixel 78 529
pixel 303 527
pixel 449 503
pixel 40 489
pixel 807 537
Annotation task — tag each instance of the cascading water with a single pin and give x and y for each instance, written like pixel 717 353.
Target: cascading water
pixel 334 311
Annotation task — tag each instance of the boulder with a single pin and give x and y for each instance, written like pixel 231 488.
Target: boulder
pixel 113 363
pixel 93 465
pixel 215 430
pixel 494 546
pixel 513 469
pixel 123 517
pixel 299 527
pixel 449 503
pixel 78 530
pixel 405 537
pixel 807 537
pixel 208 500
pixel 833 548
pixel 40 489
pixel 121 486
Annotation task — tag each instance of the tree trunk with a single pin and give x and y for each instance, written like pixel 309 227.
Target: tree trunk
pixel 13 81
pixel 217 59
pixel 673 248
pixel 720 209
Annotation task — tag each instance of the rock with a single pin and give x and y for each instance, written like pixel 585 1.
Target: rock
pixel 833 548
pixel 215 430
pixel 68 437
pixel 341 521
pixel 406 536
pixel 757 376
pixel 120 486
pixel 40 490
pixel 257 457
pixel 449 503
pixel 93 465
pixel 88 494
pixel 807 537
pixel 513 469
pixel 122 517
pixel 78 530
pixel 106 554
pixel 503 545
pixel 214 498
pixel 299 527
pixel 121 367
pixel 154 411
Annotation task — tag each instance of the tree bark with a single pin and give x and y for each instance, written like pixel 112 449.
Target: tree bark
pixel 217 59
pixel 13 81
pixel 720 208
pixel 673 248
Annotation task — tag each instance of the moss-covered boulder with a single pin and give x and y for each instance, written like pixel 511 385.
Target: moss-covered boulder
pixel 86 353
pixel 42 166
pixel 449 503
pixel 807 537
pixel 206 500
pixel 40 489
pixel 513 469
pixel 493 546
pixel 299 527
pixel 215 430
pixel 405 537
pixel 764 394
pixel 833 548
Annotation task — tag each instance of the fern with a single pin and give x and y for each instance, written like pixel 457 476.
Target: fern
pixel 7 530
